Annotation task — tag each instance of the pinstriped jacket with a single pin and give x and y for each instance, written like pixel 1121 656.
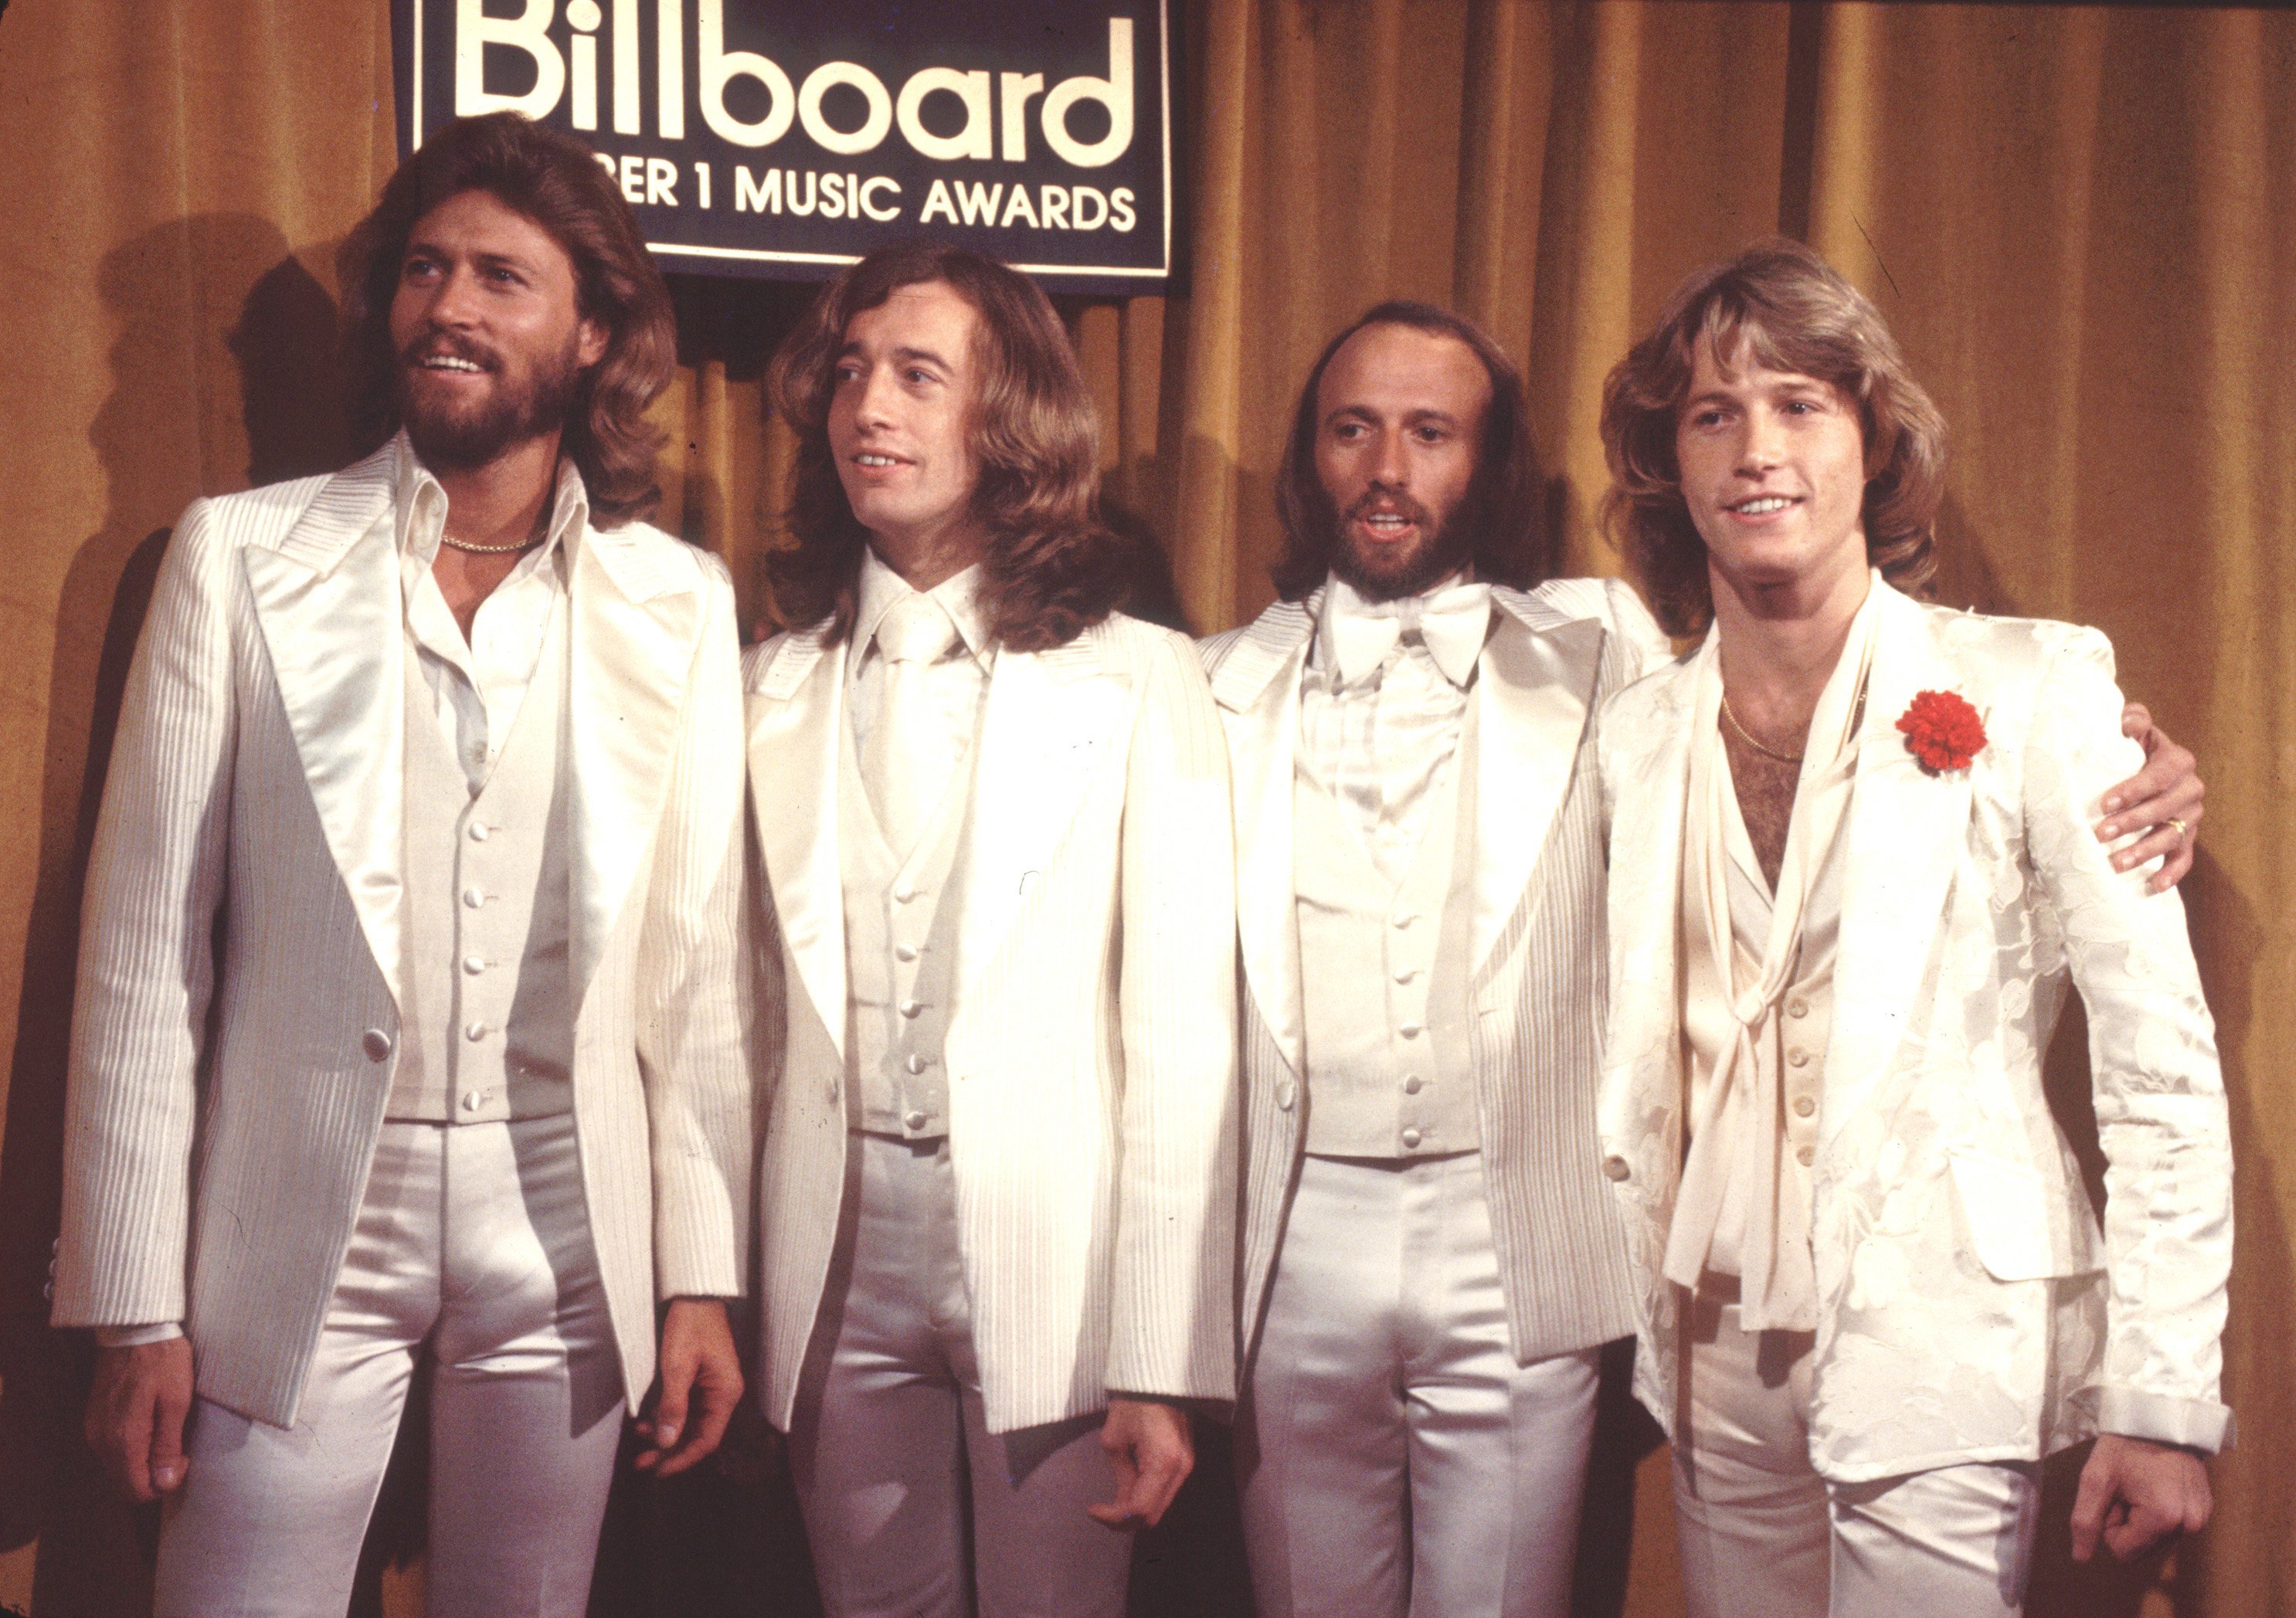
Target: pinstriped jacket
pixel 1091 1043
pixel 1535 986
pixel 257 772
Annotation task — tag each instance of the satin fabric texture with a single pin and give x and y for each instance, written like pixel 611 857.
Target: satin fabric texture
pixel 1761 1535
pixel 911 1504
pixel 257 772
pixel 1968 1307
pixel 1393 1458
pixel 470 1262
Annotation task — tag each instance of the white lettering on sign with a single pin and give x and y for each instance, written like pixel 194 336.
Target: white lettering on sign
pixel 994 126
pixel 1065 208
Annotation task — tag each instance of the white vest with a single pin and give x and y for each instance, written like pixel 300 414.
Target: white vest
pixel 1390 1074
pixel 900 953
pixel 487 1007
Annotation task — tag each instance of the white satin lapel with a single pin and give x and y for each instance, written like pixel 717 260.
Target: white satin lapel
pixel 1263 743
pixel 796 706
pixel 631 635
pixel 329 602
pixel 1048 728
pixel 1533 694
pixel 1906 828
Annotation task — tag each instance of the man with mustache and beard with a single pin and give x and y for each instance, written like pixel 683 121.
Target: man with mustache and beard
pixel 443 740
pixel 1430 1258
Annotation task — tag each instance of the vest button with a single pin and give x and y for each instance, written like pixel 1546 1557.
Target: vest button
pixel 1797 1007
pixel 917 1062
pixel 1615 1168
pixel 913 1008
pixel 904 894
pixel 376 1043
pixel 472 1102
pixel 1411 1085
pixel 480 832
pixel 476 1030
pixel 1806 1156
pixel 1405 920
pixel 1406 975
pixel 1798 1058
pixel 1410 1031
pixel 1804 1106
pixel 915 1119
pixel 905 952
pixel 473 965
pixel 473 898
pixel 1411 1137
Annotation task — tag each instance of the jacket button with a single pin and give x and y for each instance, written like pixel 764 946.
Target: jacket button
pixel 1283 1094
pixel 915 1119
pixel 1411 1085
pixel 1616 1167
pixel 913 1008
pixel 1412 1137
pixel 376 1043
pixel 917 1061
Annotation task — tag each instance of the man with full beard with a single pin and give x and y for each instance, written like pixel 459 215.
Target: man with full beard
pixel 443 741
pixel 1430 1256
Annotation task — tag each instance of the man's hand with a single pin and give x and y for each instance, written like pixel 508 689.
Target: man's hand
pixel 2138 1495
pixel 2162 800
pixel 699 1384
pixel 135 1416
pixel 1153 1450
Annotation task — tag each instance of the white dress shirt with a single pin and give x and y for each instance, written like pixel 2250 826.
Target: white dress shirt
pixel 1380 709
pixel 479 683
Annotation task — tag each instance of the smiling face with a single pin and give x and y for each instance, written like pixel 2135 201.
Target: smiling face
pixel 900 416
pixel 1399 428
pixel 1773 469
pixel 488 328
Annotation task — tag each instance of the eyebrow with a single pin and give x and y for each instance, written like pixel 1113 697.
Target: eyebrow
pixel 901 357
pixel 432 249
pixel 1409 416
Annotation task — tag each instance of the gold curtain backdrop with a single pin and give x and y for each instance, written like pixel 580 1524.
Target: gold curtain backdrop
pixel 2076 219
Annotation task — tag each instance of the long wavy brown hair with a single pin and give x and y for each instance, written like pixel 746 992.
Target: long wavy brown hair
pixel 1779 306
pixel 1506 503
pixel 1053 568
pixel 552 178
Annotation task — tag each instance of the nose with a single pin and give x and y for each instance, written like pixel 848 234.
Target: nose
pixel 454 302
pixel 872 401
pixel 1389 469
pixel 1762 445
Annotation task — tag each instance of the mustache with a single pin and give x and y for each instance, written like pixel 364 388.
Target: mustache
pixel 1401 504
pixel 449 346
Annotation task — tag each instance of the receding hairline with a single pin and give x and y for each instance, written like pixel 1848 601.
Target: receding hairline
pixel 1485 381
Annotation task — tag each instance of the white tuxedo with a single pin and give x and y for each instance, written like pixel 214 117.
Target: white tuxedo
pixel 1535 958
pixel 1968 1308
pixel 1091 1049
pixel 259 770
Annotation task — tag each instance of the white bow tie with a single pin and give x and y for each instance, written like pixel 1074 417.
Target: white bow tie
pixel 1452 623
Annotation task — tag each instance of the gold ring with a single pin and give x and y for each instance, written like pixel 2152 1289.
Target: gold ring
pixel 2184 832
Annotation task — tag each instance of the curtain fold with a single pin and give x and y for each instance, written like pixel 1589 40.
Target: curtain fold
pixel 2080 223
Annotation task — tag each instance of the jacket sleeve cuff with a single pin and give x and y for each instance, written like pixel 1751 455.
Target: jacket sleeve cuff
pixel 2195 1424
pixel 136 1336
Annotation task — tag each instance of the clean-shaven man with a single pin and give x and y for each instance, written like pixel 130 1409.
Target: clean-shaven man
pixel 1431 1260
pixel 998 974
pixel 441 741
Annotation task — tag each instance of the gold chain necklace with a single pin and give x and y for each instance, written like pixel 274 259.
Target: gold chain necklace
pixel 1747 737
pixel 449 541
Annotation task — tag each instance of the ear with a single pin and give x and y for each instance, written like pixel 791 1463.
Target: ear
pixel 589 343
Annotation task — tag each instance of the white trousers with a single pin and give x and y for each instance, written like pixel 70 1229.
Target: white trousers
pixel 473 1239
pixel 892 1456
pixel 1392 1456
pixel 1763 1536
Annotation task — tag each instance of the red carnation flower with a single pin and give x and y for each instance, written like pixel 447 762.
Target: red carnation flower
pixel 1943 731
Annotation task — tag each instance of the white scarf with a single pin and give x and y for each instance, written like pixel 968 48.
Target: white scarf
pixel 1778 1287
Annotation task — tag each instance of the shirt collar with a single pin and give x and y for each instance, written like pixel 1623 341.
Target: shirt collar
pixel 1454 598
pixel 958 595
pixel 420 507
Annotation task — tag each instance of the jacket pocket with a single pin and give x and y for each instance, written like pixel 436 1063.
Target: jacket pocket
pixel 2018 1223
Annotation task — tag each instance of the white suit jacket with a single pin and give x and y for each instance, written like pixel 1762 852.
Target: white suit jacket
pixel 1091 1047
pixel 1536 976
pixel 1968 1308
pixel 215 1178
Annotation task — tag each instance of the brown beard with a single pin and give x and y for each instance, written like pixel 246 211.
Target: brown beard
pixel 1448 549
pixel 517 413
